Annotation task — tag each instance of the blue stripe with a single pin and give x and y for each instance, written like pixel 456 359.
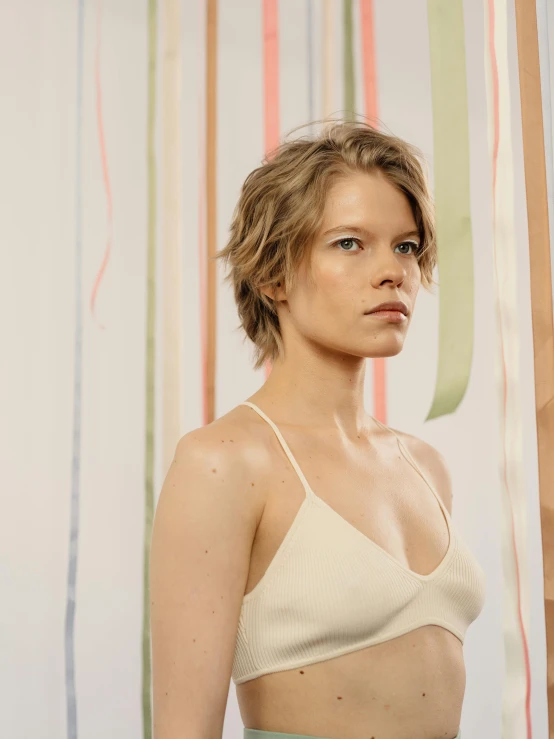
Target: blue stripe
pixel 71 700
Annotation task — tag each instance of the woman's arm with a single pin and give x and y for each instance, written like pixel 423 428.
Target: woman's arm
pixel 204 526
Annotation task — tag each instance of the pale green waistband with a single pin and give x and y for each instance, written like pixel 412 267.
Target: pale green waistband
pixel 261 734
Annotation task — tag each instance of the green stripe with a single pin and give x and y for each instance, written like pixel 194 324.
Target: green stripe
pixel 150 366
pixel 452 200
pixel 349 94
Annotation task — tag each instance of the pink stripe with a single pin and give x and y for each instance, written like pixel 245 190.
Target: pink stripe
pixel 368 58
pixel 496 108
pixel 104 160
pixel 371 113
pixel 271 75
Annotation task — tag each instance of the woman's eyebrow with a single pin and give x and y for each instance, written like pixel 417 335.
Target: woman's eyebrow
pixel 360 230
pixel 406 234
pixel 354 229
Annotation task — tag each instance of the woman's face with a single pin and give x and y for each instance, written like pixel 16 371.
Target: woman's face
pixel 364 254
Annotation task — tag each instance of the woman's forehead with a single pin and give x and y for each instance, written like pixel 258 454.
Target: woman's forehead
pixel 366 201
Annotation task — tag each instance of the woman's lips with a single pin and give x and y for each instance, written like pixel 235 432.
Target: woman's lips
pixel 394 316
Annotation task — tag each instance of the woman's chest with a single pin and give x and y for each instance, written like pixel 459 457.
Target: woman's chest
pixel 376 491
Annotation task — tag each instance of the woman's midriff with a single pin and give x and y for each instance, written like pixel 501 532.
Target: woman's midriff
pixel 411 686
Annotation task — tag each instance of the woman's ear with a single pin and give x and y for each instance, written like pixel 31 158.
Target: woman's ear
pixel 274 292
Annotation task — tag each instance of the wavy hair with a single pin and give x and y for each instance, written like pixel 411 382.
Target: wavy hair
pixel 280 208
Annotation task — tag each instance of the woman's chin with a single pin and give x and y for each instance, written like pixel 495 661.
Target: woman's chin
pixel 382 349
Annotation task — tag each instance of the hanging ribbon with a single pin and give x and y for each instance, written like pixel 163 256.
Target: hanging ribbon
pixel 150 361
pixel 541 302
pixel 453 216
pixel 516 716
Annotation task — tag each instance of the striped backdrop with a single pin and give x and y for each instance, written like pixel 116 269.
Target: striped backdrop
pixel 132 128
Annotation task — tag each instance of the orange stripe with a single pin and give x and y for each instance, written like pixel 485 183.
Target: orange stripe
pixel 371 112
pixel 211 213
pixel 541 298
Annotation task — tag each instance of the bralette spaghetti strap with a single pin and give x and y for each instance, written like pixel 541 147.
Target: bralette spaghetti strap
pixel 410 459
pixel 307 489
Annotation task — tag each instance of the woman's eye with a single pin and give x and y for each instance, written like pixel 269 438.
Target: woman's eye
pixel 414 246
pixel 348 242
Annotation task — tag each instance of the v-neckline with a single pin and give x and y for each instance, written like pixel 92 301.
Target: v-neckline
pixel 311 497
pixel 430 576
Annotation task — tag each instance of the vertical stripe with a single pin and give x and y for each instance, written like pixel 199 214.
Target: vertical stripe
pixel 516 610
pixel 310 48
pixel 541 299
pixel 453 215
pixel 103 157
pixel 327 49
pixel 271 75
pixel 203 300
pixel 151 163
pixel 371 113
pixel 71 601
pixel 544 55
pixel 211 195
pixel 368 58
pixel 271 89
pixel 348 61
pixel 171 232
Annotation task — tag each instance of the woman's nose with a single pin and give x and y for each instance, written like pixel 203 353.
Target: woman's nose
pixel 387 267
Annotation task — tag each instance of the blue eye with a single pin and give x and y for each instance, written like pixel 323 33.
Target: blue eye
pixel 346 241
pixel 415 247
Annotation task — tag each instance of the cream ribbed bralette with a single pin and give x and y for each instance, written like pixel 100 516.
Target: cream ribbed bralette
pixel 330 590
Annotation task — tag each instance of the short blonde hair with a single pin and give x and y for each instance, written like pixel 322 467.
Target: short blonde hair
pixel 280 208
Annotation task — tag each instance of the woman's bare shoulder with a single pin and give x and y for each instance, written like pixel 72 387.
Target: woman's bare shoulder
pixel 235 433
pixel 233 443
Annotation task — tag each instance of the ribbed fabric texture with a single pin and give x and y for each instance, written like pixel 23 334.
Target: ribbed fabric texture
pixel 331 590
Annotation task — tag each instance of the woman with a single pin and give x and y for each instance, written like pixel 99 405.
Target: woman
pixel 300 547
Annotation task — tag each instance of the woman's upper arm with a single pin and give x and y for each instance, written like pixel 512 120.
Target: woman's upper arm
pixel 204 526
